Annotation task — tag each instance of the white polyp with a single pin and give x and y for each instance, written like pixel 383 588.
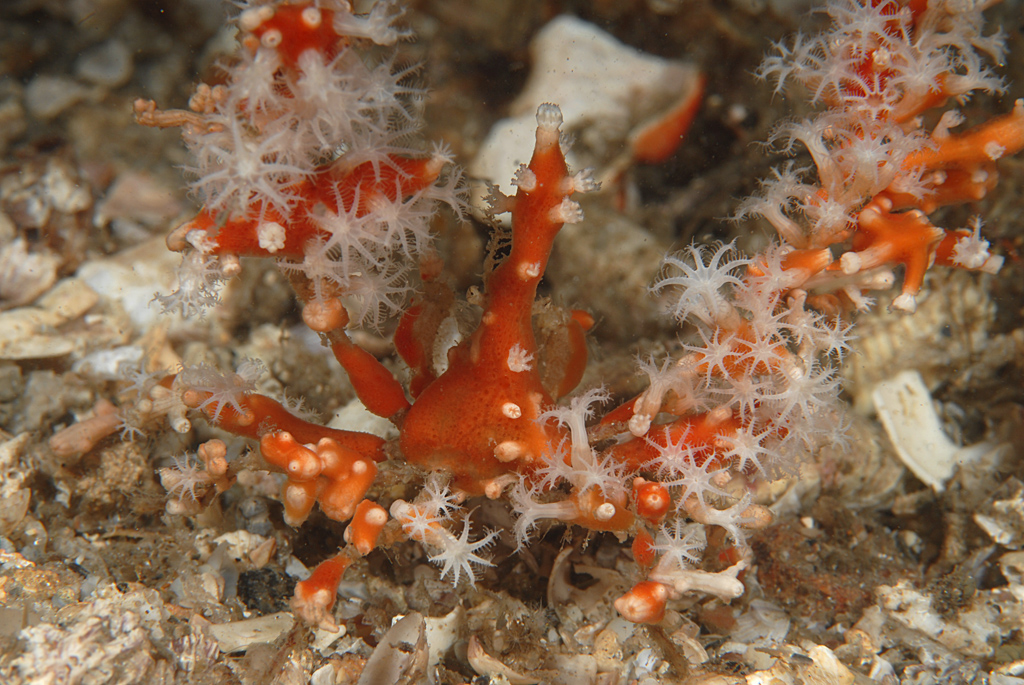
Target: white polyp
pixel 510 450
pixel 271 39
pixel 528 270
pixel 718 415
pixel 198 239
pixel 230 265
pixel 376 517
pixel 323 316
pixel 250 19
pixel 511 410
pixel 971 251
pixel 793 371
pixel 271 236
pixel 525 179
pixel 906 302
pixel 860 302
pixel 582 182
pixel 518 359
pixel 948 120
pixel 994 150
pixel 497 202
pixel 549 117
pixel 605 512
pixel 401 510
pixel 179 424
pixel 296 497
pixel 565 142
pixel 567 212
pixel 304 469
pixel 639 424
pixel 311 17
pixel 850 263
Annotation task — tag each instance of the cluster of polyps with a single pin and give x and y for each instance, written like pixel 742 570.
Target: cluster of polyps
pixel 878 172
pixel 480 413
pixel 299 156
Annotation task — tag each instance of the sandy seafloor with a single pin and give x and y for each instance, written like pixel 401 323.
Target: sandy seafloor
pixel 898 581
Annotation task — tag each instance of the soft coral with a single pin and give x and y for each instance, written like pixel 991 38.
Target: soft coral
pixel 755 391
pixel 479 419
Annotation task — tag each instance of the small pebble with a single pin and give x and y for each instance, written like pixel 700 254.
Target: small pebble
pixel 108 65
pixel 48 96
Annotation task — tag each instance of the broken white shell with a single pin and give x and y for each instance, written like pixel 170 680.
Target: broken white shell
pixel 237 636
pixel 905 409
pixel 486 665
pixel 401 656
pixel 606 90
